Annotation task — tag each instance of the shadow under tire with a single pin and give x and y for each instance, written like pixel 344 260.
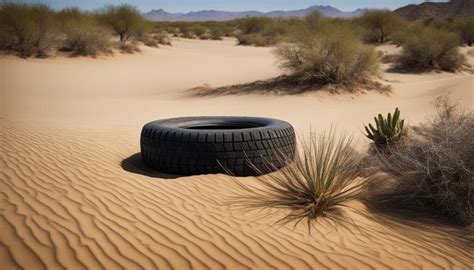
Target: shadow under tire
pixel 204 145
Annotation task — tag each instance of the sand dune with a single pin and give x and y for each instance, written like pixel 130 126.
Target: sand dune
pixel 69 127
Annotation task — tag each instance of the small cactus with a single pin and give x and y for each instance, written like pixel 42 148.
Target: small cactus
pixel 387 130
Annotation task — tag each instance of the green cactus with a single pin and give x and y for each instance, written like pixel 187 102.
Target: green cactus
pixel 387 130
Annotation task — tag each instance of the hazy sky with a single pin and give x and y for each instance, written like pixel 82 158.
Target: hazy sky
pixel 230 5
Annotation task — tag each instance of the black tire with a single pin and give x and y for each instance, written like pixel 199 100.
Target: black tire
pixel 204 145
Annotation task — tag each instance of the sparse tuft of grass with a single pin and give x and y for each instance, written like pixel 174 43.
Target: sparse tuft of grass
pixel 433 170
pixel 315 184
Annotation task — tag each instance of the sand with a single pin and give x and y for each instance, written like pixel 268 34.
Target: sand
pixel 73 194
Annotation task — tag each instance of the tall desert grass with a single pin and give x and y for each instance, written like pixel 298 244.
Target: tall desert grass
pixel 315 184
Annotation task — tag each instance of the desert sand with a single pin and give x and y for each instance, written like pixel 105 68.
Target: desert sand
pixel 73 193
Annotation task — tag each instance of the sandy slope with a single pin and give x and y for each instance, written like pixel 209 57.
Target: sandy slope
pixel 69 127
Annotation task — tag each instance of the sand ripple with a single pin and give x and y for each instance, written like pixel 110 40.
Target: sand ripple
pixel 65 202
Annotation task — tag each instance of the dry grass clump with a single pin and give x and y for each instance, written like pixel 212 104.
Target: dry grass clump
pixel 433 171
pixel 332 55
pixel 155 40
pixel 27 29
pixel 318 181
pixel 163 38
pixel 129 48
pixel 254 39
pixel 149 40
pixel 426 48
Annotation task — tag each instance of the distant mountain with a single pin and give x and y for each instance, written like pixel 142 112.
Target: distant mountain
pixel 215 15
pixel 451 10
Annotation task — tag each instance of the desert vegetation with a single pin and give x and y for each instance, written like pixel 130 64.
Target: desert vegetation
pixel 37 30
pixel 387 131
pixel 465 28
pixel 379 25
pixel 83 33
pixel 261 31
pixel 196 30
pixel 331 54
pixel 316 183
pixel 125 21
pixel 328 51
pixel 320 53
pixel 432 170
pixel 429 48
pixel 28 30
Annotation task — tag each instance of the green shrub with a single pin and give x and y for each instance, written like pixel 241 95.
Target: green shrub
pixel 379 25
pixel 426 48
pixel 318 181
pixel 388 130
pixel 126 21
pixel 84 35
pixel 335 55
pixel 432 171
pixel 27 29
pixel 149 40
pixel 465 29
